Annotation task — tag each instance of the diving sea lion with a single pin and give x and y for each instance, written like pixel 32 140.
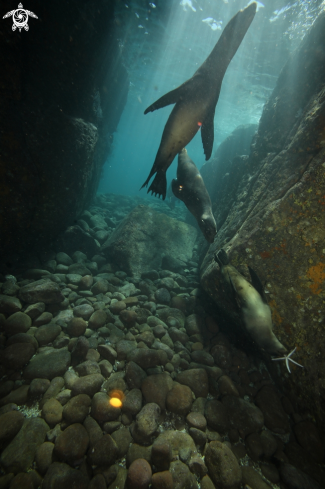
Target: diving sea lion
pixel 251 299
pixel 196 101
pixel 189 187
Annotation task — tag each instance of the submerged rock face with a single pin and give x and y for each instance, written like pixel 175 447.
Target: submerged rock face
pixel 62 97
pixel 141 240
pixel 274 219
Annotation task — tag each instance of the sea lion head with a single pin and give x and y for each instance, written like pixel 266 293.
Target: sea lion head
pixel 208 227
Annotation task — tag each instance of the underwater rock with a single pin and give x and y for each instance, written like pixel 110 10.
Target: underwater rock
pixel 9 305
pixel 139 475
pixel 139 242
pixel 270 206
pixel 222 464
pixel 48 365
pixel 19 455
pixel 43 290
pixel 71 445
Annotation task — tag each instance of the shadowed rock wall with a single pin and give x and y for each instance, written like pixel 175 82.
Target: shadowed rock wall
pixel 63 89
pixel 274 219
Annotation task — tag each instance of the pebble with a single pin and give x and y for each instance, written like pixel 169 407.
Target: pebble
pixel 227 387
pixel 132 403
pixel 108 353
pixel 244 416
pixel 182 477
pixel 9 305
pixel 139 475
pixel 102 410
pixel 197 420
pixel 98 482
pixel 122 438
pixel 97 319
pixel 17 396
pixel 71 445
pixel 44 457
pixel 217 416
pixel 35 310
pixel 145 428
pixel 179 400
pixel 17 355
pixel 222 465
pixel 89 384
pixel 275 417
pixel 134 375
pixel 19 322
pixel 77 409
pixel 44 318
pixel 46 334
pixel 104 452
pixel 155 388
pixel 161 454
pixel 117 307
pixel 62 476
pixel 84 311
pixel 253 478
pixel 22 338
pixel 43 290
pixel 52 412
pixel 162 480
pixel 19 455
pixel 10 424
pixel 196 379
pixel 178 441
pixel 147 358
pixel 76 327
pixel 47 365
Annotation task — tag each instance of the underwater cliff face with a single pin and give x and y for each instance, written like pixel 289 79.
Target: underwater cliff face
pixel 62 93
pixel 274 218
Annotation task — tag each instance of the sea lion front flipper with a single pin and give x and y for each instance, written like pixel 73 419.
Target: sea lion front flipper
pixel 257 284
pixel 169 98
pixel 207 134
pixel 221 257
pixel 177 189
pixel 234 290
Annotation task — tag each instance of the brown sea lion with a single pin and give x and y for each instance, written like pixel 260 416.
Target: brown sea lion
pixel 256 314
pixel 189 187
pixel 196 101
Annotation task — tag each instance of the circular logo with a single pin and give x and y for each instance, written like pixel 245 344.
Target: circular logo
pixel 20 19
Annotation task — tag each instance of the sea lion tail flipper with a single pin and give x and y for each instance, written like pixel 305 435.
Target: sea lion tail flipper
pixel 207 133
pixel 257 284
pixel 221 258
pixel 159 184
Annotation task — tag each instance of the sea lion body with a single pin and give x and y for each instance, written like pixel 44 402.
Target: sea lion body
pixel 189 188
pixel 195 101
pixel 256 313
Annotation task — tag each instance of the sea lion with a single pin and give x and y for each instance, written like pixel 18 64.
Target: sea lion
pixel 196 101
pixel 256 313
pixel 189 187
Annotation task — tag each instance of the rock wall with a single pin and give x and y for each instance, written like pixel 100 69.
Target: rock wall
pixel 63 89
pixel 273 219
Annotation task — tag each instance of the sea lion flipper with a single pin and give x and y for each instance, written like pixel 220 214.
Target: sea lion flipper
pixel 169 98
pixel 159 185
pixel 207 134
pixel 221 258
pixel 257 284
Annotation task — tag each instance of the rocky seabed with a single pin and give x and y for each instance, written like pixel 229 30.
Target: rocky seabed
pixel 192 411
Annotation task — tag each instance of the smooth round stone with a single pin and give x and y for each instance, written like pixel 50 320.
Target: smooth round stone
pixel 104 452
pixel 9 305
pixel 134 375
pixel 17 355
pixel 253 479
pixel 19 322
pixel 117 307
pixel 74 278
pixel 221 356
pixel 86 282
pixel 48 365
pixel 63 258
pixel 10 424
pixel 197 420
pixel 89 384
pixel 162 296
pixel 102 410
pixel 139 475
pixel 87 368
pixel 77 409
pixel 44 290
pixel 107 352
pixel 62 269
pixel 199 437
pixel 17 396
pixel 62 476
pixel 79 269
pixel 146 425
pixel 156 387
pixel 22 481
pixel 202 357
pixel 97 319
pixel 22 338
pixel 217 416
pixel 182 476
pixel 222 465
pixel 52 412
pixel 35 310
pixel 128 318
pixel 227 387
pixel 132 403
pixel 196 379
pixel 161 454
pixel 122 438
pixel 147 358
pixel 84 311
pixel 179 399
pixel 76 327
pixel 71 445
pixel 46 334
pixel 38 387
pixel 44 318
pixel 162 480
pixel 43 457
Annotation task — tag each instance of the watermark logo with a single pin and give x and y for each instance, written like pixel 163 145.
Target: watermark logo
pixel 20 18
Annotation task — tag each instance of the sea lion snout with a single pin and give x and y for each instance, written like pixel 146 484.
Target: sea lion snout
pixel 208 227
